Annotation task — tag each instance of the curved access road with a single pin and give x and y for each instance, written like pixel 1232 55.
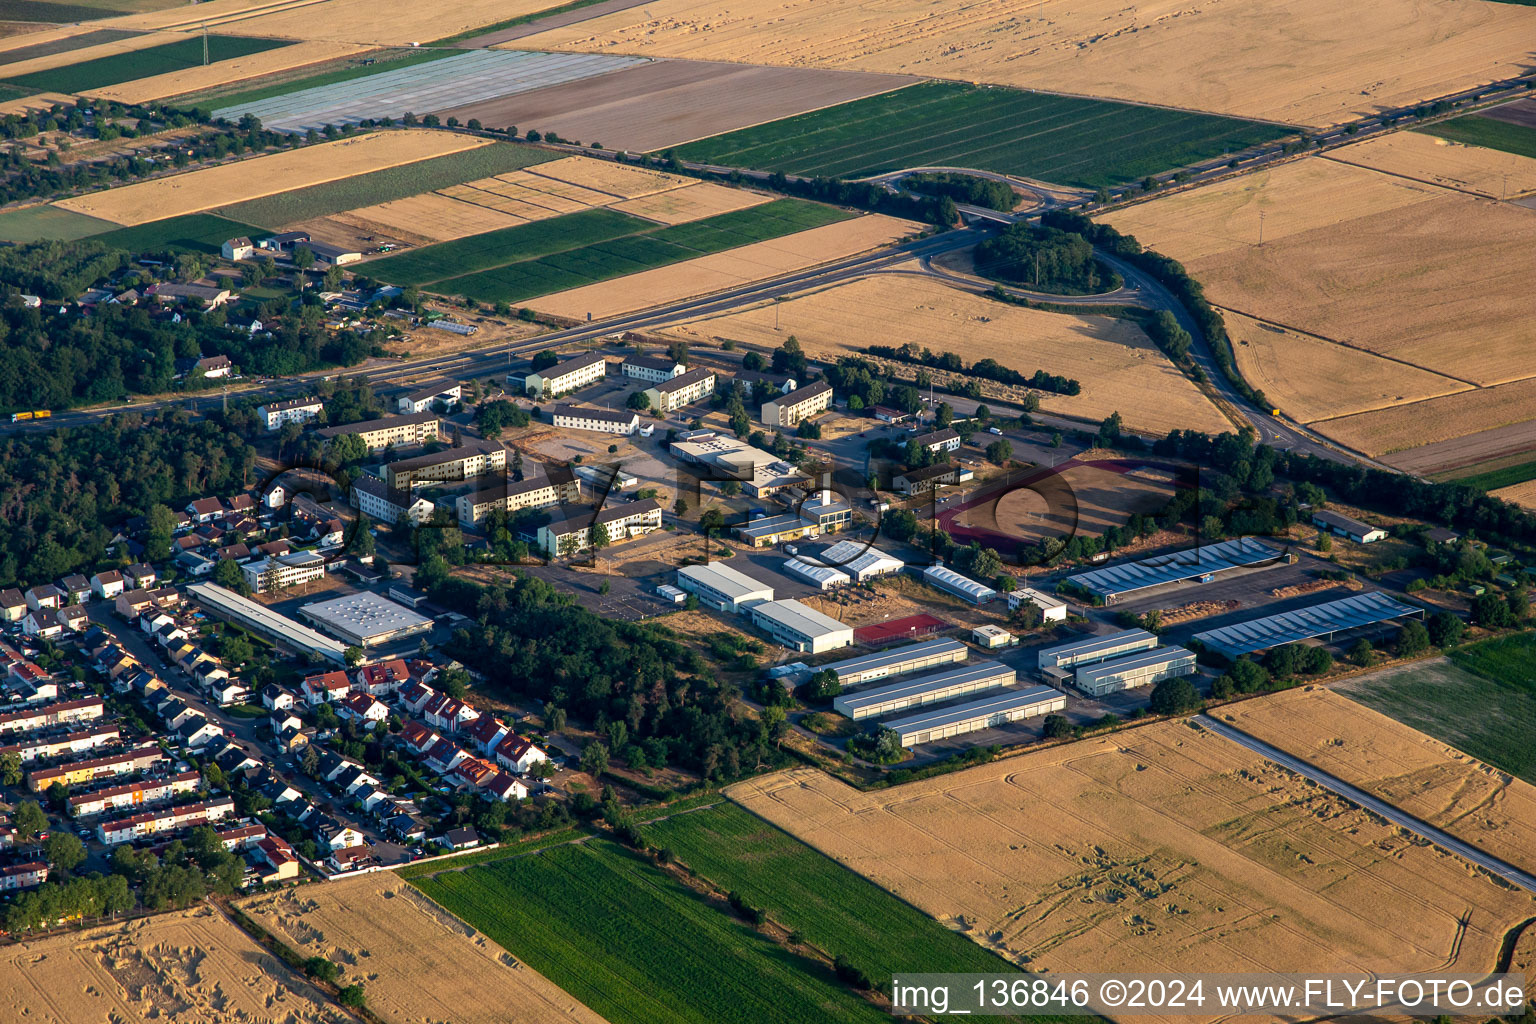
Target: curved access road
pixel 1402 819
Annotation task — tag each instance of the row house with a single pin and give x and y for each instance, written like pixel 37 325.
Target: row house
pixel 130 604
pixel 133 794
pixel 152 823
pixel 486 732
pixel 23 876
pixel 414 696
pixel 280 860
pixel 448 714
pixel 444 756
pixel 55 744
pixel 45 716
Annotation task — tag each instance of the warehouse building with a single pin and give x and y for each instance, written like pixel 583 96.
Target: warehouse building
pixel 770 530
pixel 450 464
pixel 558 487
pixel 723 588
pixel 800 628
pixel 684 389
pixel 800 404
pixel 365 619
pixel 417 428
pixel 987 713
pixel 1092 649
pixel 950 684
pixel 867 668
pixel 1345 526
pixel 227 604
pixel 1203 564
pixel 822 577
pixel 570 416
pixel 860 560
pixel 962 587
pixel 1144 668
pixel 563 378
pixel 1051 609
pixel 1321 621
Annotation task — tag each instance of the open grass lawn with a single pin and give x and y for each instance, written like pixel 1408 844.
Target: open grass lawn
pixel 197 232
pixel 1051 138
pixel 386 185
pixel 583 248
pixel 37 223
pixel 1488 132
pixel 637 946
pixel 157 60
pixel 1482 700
pixel 835 909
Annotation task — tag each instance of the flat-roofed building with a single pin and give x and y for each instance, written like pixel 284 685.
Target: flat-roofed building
pixel 376 435
pixel 294 410
pixel 1144 668
pixel 722 587
pixel 365 619
pixel 559 486
pixel 684 389
pixel 963 587
pixel 920 657
pixel 283 571
pixel 987 713
pixel 800 404
pixel 1091 649
pixel 949 684
pixel 1052 609
pixel 463 463
pixel 653 369
pixel 258 618
pixel 564 378
pixel 384 504
pixel 570 416
pixel 829 512
pixel 760 473
pixel 771 530
pixel 800 628
pixel 572 532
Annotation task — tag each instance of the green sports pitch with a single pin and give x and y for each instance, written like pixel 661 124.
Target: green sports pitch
pixel 1061 139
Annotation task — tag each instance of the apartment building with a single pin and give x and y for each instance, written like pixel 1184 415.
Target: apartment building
pixel 572 533
pixel 564 378
pixel 132 794
pixel 570 416
pixel 945 440
pixel 415 428
pixel 152 823
pixel 800 404
pixel 558 487
pixel 653 369
pixel 423 398
pixel 282 571
pixel 684 389
pixel 48 716
pixel 125 762
pixel 451 464
pixel 375 499
pixel 294 410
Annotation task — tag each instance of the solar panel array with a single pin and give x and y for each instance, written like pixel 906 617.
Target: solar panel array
pixel 1305 623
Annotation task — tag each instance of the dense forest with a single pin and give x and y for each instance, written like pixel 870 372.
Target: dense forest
pixel 965 188
pixel 62 493
pixel 1046 259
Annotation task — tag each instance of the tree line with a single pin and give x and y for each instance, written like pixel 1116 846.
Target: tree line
pixel 965 188
pixel 988 369
pixel 1045 258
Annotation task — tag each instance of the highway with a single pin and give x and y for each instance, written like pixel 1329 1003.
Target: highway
pixel 1423 830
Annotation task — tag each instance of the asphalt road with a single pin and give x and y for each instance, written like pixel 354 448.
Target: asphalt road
pixel 1385 810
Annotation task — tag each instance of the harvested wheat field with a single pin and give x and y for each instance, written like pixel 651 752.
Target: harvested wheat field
pixel 1301 61
pixel 266 175
pixel 1487 172
pixel 64 58
pixel 681 205
pixel 528 196
pixel 367 21
pixel 1523 495
pixel 1417 773
pixel 741 265
pixel 1312 379
pixel 619 180
pixel 193 967
pixel 178 83
pixel 213 13
pixel 430 217
pixel 1119 368
pixel 1159 850
pixel 37 101
pixel 417 962
pixel 1436 419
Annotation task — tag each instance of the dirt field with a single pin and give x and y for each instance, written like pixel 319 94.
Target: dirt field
pixel 1101 498
pixel 620 180
pixel 1437 419
pixel 178 83
pixel 1412 771
pixel 429 217
pixel 1118 367
pixel 726 269
pixel 682 205
pixel 672 102
pixel 1305 61
pixel 1313 379
pixel 192 968
pixel 1487 172
pixel 265 175
pixel 1520 494
pixel 417 962
pixel 1154 851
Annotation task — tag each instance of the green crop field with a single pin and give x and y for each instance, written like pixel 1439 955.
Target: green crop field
pixel 1503 476
pixel 196 232
pixel 1488 132
pixel 1482 700
pixel 383 186
pixel 135 64
pixel 1058 139
pixel 835 909
pixel 39 10
pixel 37 223
pixel 637 946
pixel 583 248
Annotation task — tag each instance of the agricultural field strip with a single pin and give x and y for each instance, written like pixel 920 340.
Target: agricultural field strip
pixel 191 80
pixel 859 138
pixel 634 945
pixel 424 88
pixel 61 44
pixel 1488 132
pixel 145 63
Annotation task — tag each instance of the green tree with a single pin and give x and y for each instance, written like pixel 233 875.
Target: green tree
pixel 597 536
pixel 29 821
pixel 354 656
pixel 822 686
pixel 594 758
pixel 1056 727
pixel 63 851
pixel 1490 611
pixel 639 401
pixel 1446 629
pixel 236 650
pixel 1361 653
pixel 999 452
pixel 10 768
pixel 228 574
pixel 351 995
pixel 679 507
pixel 1174 697
pixel 320 968
pixel 1412 639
